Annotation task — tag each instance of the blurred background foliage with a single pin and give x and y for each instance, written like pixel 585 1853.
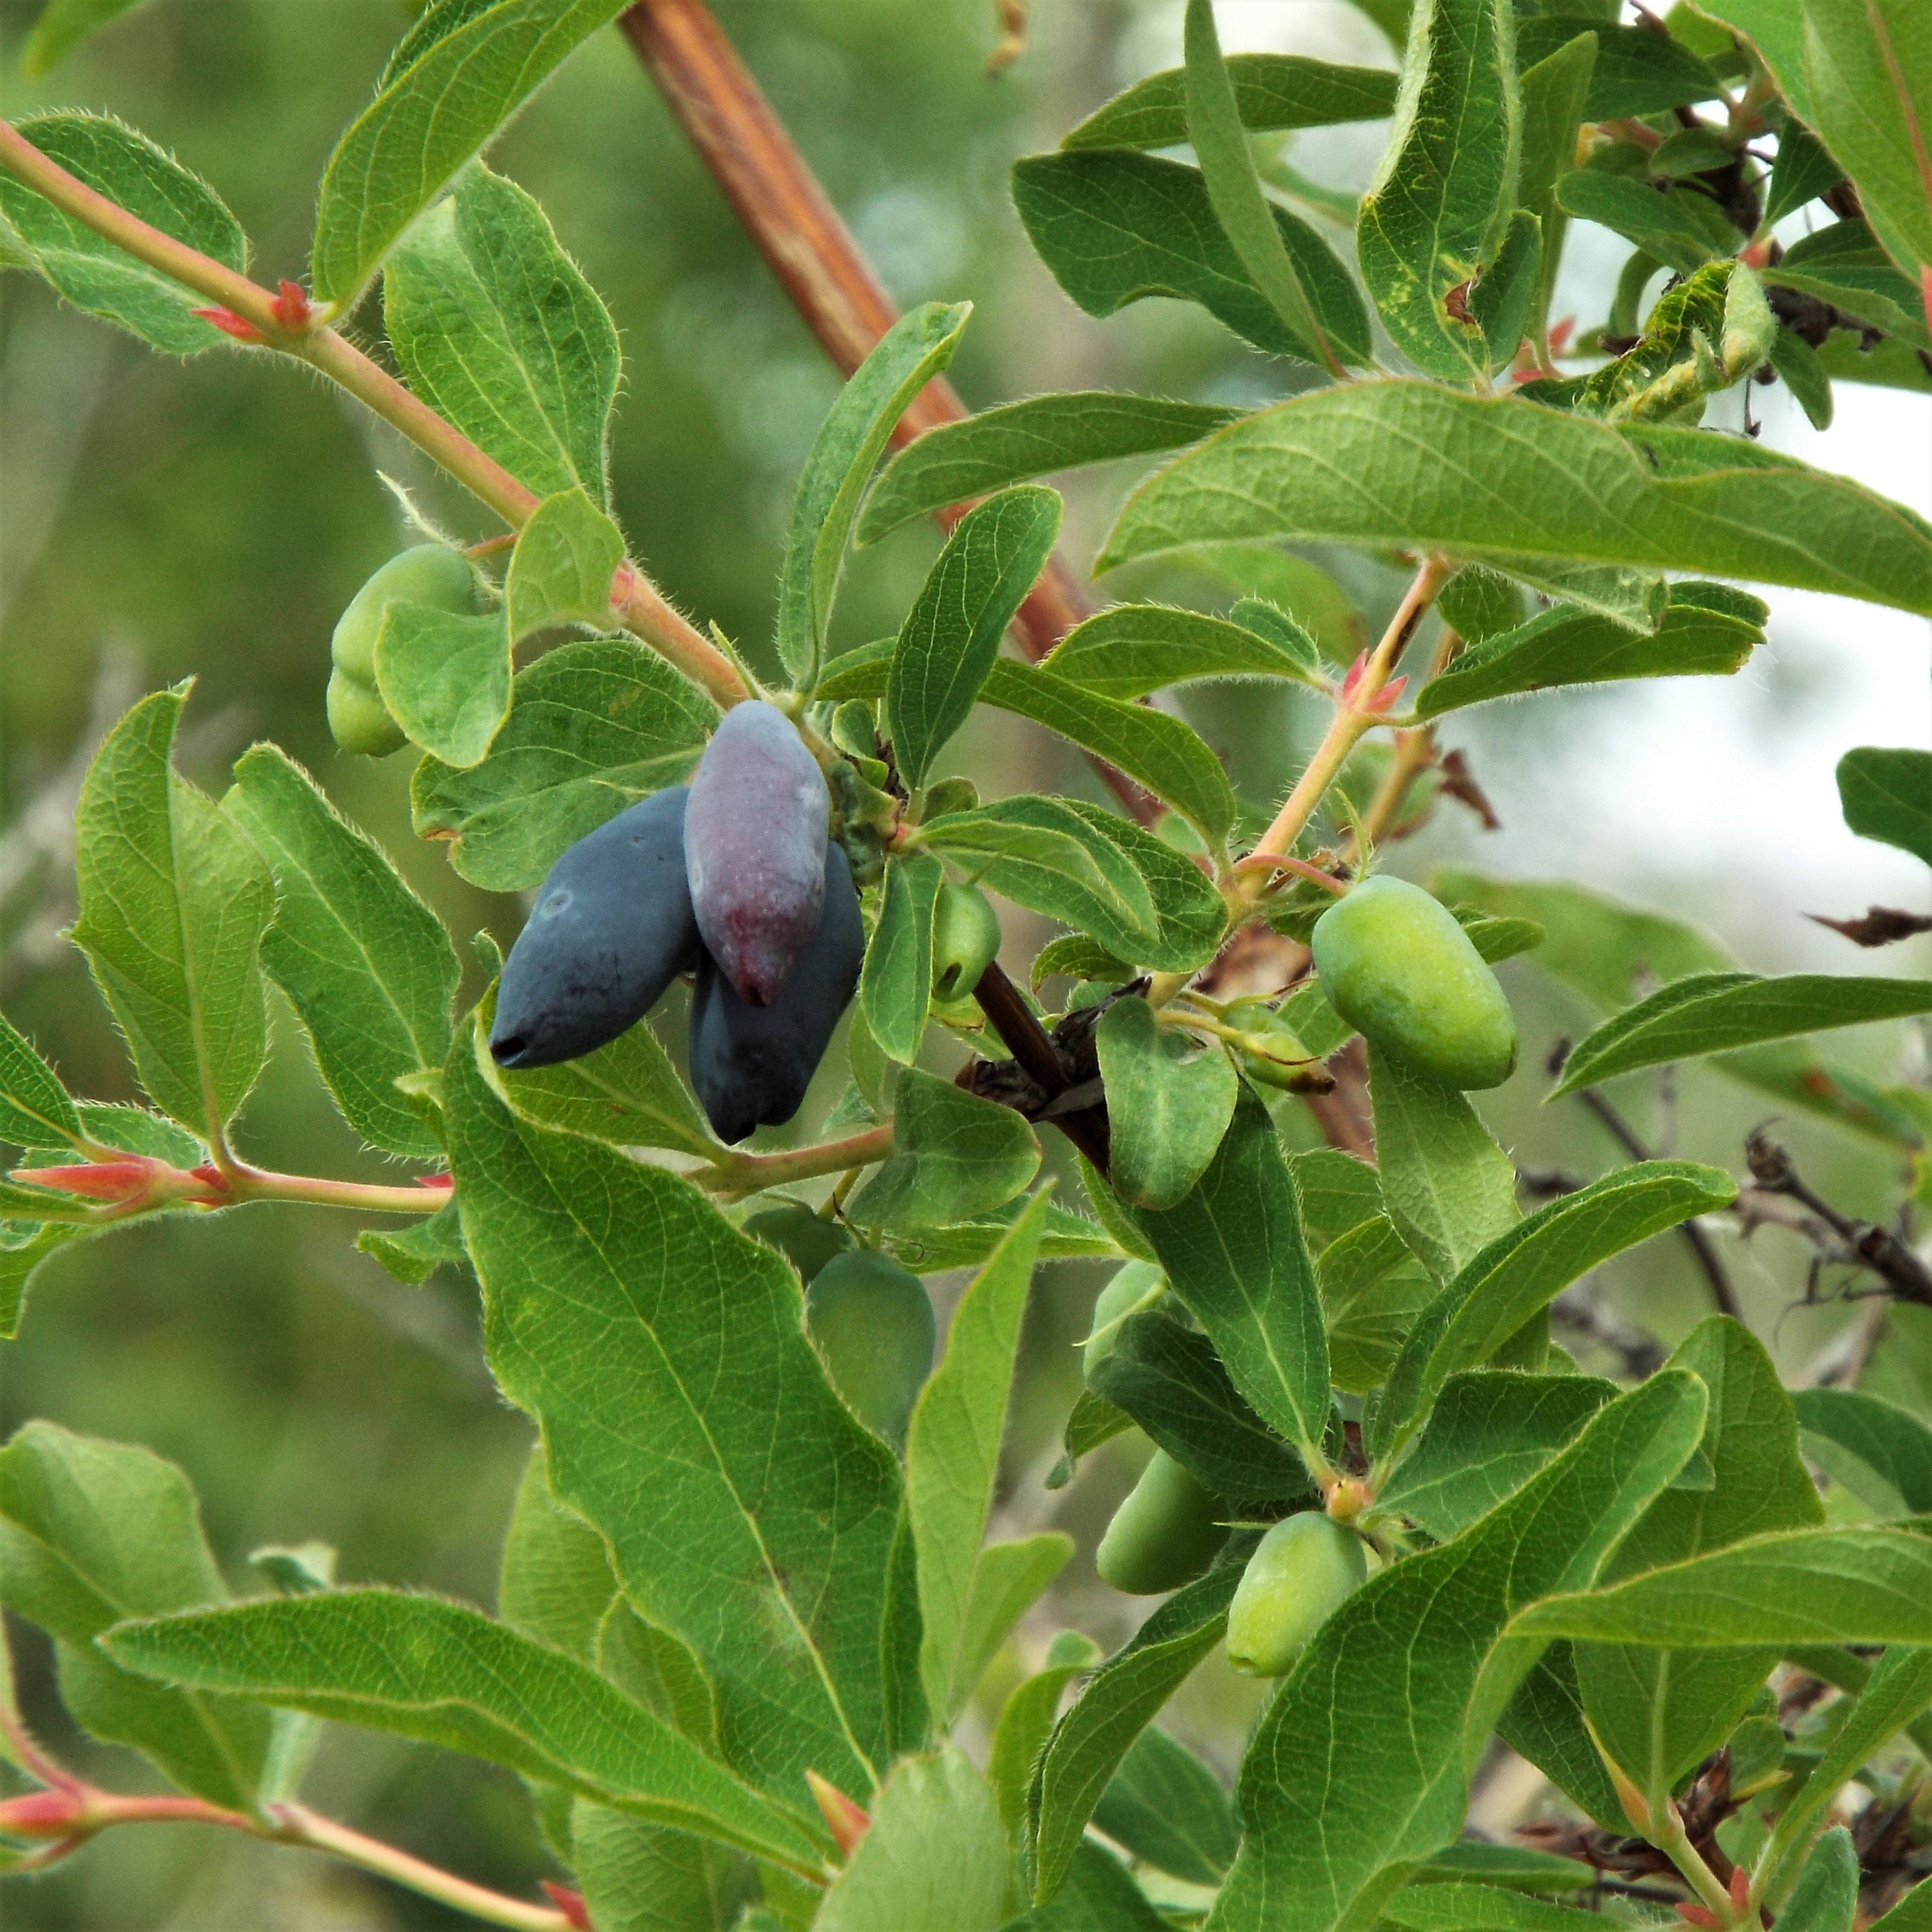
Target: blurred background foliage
pixel 159 519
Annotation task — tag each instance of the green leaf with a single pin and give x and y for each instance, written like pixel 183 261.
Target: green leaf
pixel 1336 1192
pixel 1711 1012
pixel 1169 1099
pixel 366 964
pixel 1797 362
pixel 1435 213
pixel 1637 71
pixel 960 460
pixel 1451 1189
pixel 1092 1420
pixel 1381 1720
pixel 1246 215
pixel 933 1856
pixel 951 635
pixel 1407 465
pixel 593 728
pixel 433 113
pixel 426 1668
pixel 1168 1379
pixel 1064 1237
pixel 895 987
pixel 1842 264
pixel 93 1531
pixel 1166 1806
pixel 1293 585
pixel 1680 227
pixel 952 1458
pixel 1847 356
pixel 556 1584
pixel 1886 794
pixel 1456 1907
pixel 1660 1713
pixel 1008 1579
pixel 90 271
pixel 35 1109
pixel 416 1252
pixel 1544 1723
pixel 1272 92
pixel 1801 171
pixel 1372 1290
pixel 445 678
pixel 1488 1432
pixel 1880 1452
pixel 1826 1899
pixel 1565 646
pixel 174 901
pixel 1130 649
pixel 24 1246
pixel 1025 1720
pixel 1089 1745
pixel 1515 1866
pixel 1505 292
pixel 1234 1254
pixel 636 1877
pixel 1868 71
pixel 561 569
pixel 62 26
pixel 850 441
pixel 604 1319
pixel 954 1156
pixel 497 329
pixel 1555 88
pixel 1115 227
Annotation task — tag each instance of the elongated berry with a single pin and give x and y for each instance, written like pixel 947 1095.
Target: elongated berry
pixel 1301 1572
pixel 755 849
pixel 965 940
pixel 1164 1535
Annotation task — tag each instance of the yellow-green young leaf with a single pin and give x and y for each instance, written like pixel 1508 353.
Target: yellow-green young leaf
pixel 366 965
pixel 954 1156
pixel 952 1458
pixel 93 1531
pixel 1234 1253
pixel 1886 794
pixel 1166 754
pixel 93 274
pixel 1088 1744
pixel 1008 1579
pixel 496 328
pixel 664 1356
pixel 174 901
pixel 1659 1713
pixel 1167 1807
pixel 1868 70
pixel 426 1668
pixel 1115 226
pixel 1130 649
pixel 933 1856
pixel 1381 1720
pixel 445 678
pixel 850 441
pixel 1169 1099
pixel 560 571
pixel 35 1109
pixel 1711 1012
pixel 433 112
pixel 960 460
pixel 62 26
pixel 593 727
pixel 1881 1453
pixel 1272 92
pixel 1407 465
pixel 951 635
pixel 1435 213
pixel 895 987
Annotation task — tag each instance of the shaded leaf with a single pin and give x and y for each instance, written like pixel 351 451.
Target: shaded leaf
pixel 1169 1099
pixel 954 1156
pixel 1272 92
pixel 1886 794
pixel 1637 71
pixel 1880 1452
pixel 1165 1806
pixel 1130 649
pixel 62 26
pixel 1680 227
pixel 1008 1579
pixel 895 986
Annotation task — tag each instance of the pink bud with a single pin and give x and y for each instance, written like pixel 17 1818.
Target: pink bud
pixel 849 1822
pixel 97 1180
pixel 570 1903
pixel 43 1814
pixel 439 1181
pixel 229 323
pixel 291 306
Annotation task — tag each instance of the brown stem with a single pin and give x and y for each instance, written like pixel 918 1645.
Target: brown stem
pixel 1013 1019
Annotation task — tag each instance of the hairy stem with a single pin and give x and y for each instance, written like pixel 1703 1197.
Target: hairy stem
pixel 747 1173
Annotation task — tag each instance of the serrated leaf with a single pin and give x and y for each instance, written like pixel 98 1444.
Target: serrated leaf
pixel 93 1531
pixel 1711 1012
pixel 445 678
pixel 954 1156
pixel 1880 1452
pixel 174 901
pixel 1886 793
pixel 951 635
pixel 1170 1100
pixel 1234 1253
pixel 1115 226
pixel 958 461
pixel 429 1668
pixel 90 271
pixel 850 441
pixel 1166 1806
pixel 35 1109
pixel 1502 478
pixel 1168 1379
pixel 561 569
pixel 1434 214
pixel 895 987
pixel 433 113
pixel 1637 71
pixel 605 1318
pixel 1272 92
pixel 496 328
pixel 593 727
pixel 1088 1745
pixel 366 964
pixel 952 1458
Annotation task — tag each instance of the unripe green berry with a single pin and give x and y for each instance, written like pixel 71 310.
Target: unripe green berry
pixel 965 940
pixel 1303 1569
pixel 1396 965
pixel 1165 1534
pixel 432 574
pixel 1287 1064
pixel 806 1240
pixel 1139 1284
pixel 358 720
pixel 871 1322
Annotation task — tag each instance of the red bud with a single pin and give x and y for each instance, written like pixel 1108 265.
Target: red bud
pixel 1702 1915
pixel 1354 676
pixel 211 1176
pixel 436 1181
pixel 291 306
pixel 570 1903
pixel 43 1814
pixel 97 1181
pixel 229 323
pixel 849 1822
pixel 1740 1887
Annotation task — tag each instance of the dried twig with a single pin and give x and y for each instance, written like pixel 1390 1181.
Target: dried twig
pixel 1905 1277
